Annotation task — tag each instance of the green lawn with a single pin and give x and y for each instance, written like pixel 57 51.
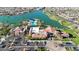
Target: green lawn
pixel 72 31
pixel 76 37
pixel 76 40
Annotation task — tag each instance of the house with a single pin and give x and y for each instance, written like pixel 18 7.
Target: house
pixel 65 35
pixel 34 30
pixel 50 29
pixel 40 36
pixel 17 31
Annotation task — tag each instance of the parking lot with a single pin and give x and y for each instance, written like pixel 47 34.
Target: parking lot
pixel 19 44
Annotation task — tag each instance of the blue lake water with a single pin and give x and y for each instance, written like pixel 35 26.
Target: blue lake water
pixel 25 16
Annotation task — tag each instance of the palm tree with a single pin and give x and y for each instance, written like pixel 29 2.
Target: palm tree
pixel 40 23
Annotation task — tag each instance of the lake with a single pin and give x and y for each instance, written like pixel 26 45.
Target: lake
pixel 26 16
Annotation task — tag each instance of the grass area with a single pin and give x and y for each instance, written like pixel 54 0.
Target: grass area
pixel 76 37
pixel 72 29
pixel 66 39
pixel 4 31
pixel 76 40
